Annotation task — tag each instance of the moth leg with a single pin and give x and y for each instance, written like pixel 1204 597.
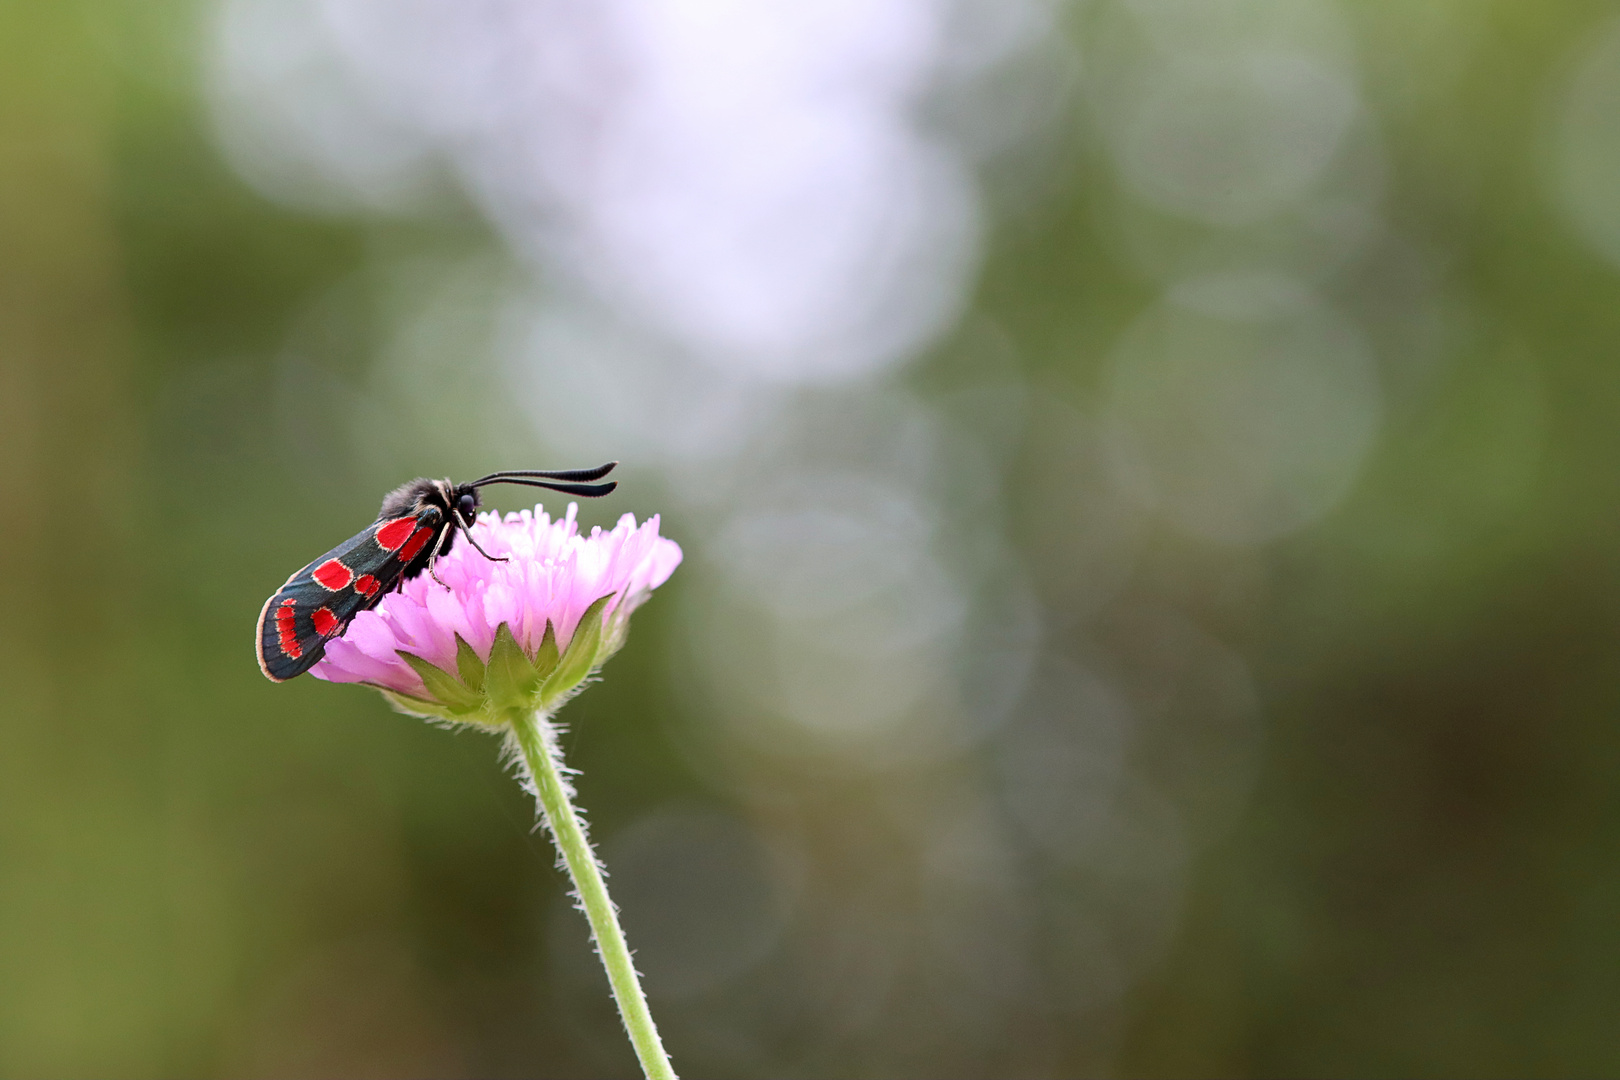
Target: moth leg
pixel 492 558
pixel 434 558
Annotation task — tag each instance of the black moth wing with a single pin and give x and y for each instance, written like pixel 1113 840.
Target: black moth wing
pixel 319 601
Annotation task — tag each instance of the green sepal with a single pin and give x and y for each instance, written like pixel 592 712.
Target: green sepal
pixel 470 667
pixel 510 681
pixel 581 656
pixel 414 706
pixel 444 687
pixel 618 627
pixel 545 657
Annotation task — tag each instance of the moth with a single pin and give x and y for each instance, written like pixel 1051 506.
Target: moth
pixel 417 524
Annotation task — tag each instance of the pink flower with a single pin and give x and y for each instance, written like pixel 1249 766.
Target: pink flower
pixel 552 577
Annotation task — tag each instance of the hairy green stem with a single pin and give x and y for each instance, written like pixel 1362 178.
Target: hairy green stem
pixel 537 741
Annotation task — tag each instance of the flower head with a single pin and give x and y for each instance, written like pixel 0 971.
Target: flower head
pixel 519 634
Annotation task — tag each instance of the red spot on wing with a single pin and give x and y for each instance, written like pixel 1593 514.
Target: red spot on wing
pixel 418 539
pixel 286 635
pixel 367 586
pixel 333 575
pixel 394 533
pixel 325 622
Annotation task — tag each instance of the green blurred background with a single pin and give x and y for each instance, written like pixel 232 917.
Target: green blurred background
pixel 1262 463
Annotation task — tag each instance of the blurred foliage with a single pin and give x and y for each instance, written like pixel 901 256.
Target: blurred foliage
pixel 204 874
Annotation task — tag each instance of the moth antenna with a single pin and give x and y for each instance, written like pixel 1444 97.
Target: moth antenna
pixel 553 474
pixel 589 491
